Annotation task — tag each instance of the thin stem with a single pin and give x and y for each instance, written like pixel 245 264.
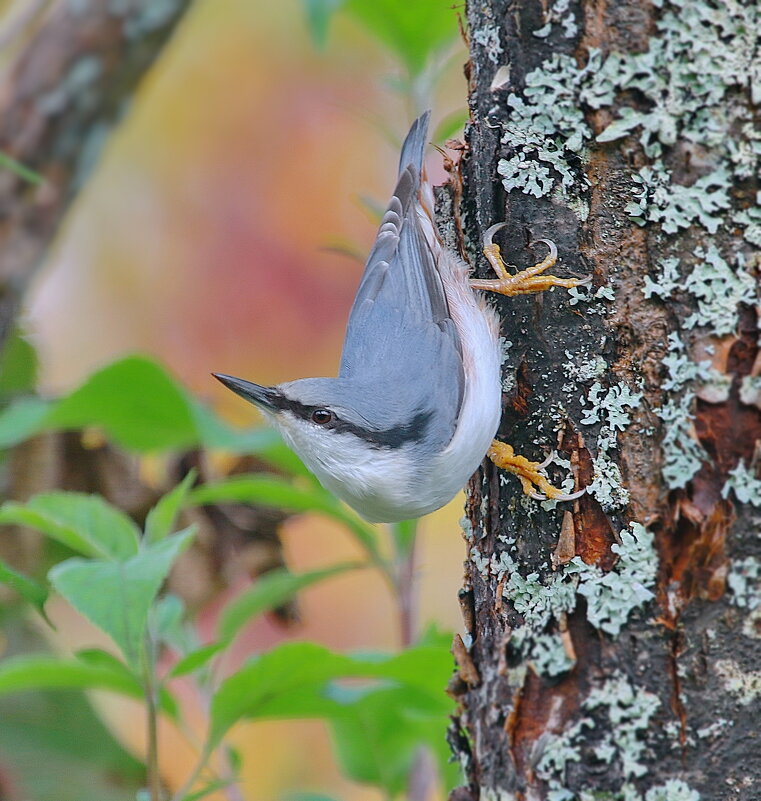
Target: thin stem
pixel 404 536
pixel 232 791
pixel 151 699
pixel 194 775
pixel 407 598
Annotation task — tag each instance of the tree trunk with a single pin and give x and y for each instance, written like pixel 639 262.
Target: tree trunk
pixel 60 99
pixel 613 645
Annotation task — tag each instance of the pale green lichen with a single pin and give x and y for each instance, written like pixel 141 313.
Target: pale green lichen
pixel 667 282
pixel 487 37
pixel 750 218
pixel 688 73
pixel 682 453
pixel 752 624
pixel 508 372
pixel 584 369
pixel 578 295
pixel 745 485
pixel 539 602
pixel 744 580
pixel 481 562
pixel 607 487
pixel 715 729
pixel 745 685
pixel 546 129
pixel 660 200
pixel 672 790
pixel 549 656
pixel 690 82
pixel 557 751
pixel 613 596
pixel 629 710
pixel 750 390
pixel 719 290
pixel 559 13
pixel 609 406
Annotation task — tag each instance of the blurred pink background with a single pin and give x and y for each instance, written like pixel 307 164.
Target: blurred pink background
pixel 204 240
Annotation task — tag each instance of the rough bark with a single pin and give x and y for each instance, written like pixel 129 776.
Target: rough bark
pixel 60 99
pixel 612 644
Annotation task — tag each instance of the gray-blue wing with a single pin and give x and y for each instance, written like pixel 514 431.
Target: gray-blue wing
pixel 400 330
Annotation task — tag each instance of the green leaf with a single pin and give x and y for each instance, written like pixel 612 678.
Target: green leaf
pixel 275 492
pixel 269 591
pixel 621 127
pixel 136 402
pixel 17 168
pixel 404 534
pixel 97 657
pixel 50 672
pixel 49 734
pixel 22 419
pixel 85 523
pixel 283 671
pixel 160 519
pixel 168 624
pixel 141 408
pixel 117 596
pixel 291 681
pixel 451 124
pixel 18 365
pixel 213 787
pixel 318 15
pixel 100 658
pixel 411 30
pixel 28 589
pixel 196 659
pixel 379 736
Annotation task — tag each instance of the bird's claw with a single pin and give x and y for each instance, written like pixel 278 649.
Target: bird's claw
pixel 535 484
pixel 537 496
pixel 525 282
pixel 489 233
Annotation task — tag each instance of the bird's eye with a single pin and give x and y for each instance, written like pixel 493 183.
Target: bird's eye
pixel 322 416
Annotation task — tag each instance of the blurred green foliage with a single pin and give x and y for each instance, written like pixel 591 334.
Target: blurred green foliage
pixel 17 168
pixel 115 574
pixel 413 31
pixel 381 708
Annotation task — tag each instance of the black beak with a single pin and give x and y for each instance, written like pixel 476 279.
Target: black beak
pixel 253 393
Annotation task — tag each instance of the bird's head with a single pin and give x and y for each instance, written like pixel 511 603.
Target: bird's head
pixel 330 420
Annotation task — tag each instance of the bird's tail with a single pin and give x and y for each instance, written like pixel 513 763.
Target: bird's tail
pixel 414 144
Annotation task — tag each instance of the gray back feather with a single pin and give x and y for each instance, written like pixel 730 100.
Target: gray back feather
pixel 402 349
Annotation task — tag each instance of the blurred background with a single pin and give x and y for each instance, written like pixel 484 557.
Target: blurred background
pixel 224 229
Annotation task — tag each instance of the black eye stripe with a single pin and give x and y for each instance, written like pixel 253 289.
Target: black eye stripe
pixel 393 437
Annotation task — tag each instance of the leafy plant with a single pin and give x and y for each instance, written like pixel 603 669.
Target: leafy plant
pixel 114 581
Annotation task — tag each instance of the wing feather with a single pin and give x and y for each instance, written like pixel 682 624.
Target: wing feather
pixel 400 328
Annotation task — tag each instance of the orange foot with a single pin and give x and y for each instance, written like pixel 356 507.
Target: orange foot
pixel 526 281
pixel 529 473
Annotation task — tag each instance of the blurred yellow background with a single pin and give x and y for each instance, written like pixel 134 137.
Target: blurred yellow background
pixel 208 239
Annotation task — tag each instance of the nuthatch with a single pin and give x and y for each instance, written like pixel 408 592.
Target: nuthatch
pixel 417 401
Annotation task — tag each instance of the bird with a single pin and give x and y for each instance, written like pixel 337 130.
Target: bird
pixel 416 404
